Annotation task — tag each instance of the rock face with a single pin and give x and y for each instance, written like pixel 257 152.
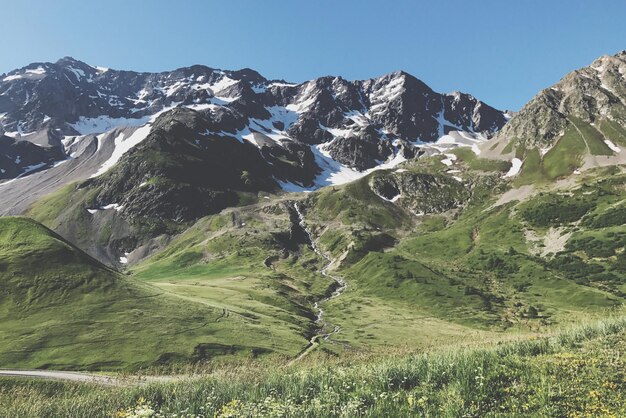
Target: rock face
pixel 590 94
pixel 168 148
pixel 23 157
pixel 420 192
pixel 357 123
pixel 181 173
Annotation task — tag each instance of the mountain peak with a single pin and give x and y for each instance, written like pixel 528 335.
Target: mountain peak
pixel 582 119
pixel 67 60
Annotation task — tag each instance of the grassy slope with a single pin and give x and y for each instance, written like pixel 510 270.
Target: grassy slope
pixel 450 277
pixel 61 309
pixel 221 262
pixel 612 130
pixel 445 278
pixel 464 274
pixel 580 139
pixel 578 372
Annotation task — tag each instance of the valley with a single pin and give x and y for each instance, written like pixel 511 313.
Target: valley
pixel 240 231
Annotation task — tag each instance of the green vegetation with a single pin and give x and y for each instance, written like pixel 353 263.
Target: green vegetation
pixel 612 130
pixel 61 309
pixel 566 155
pixel 468 269
pixel 557 209
pixel 236 262
pixel 48 210
pixel 473 162
pixel 579 140
pixel 592 137
pixel 458 273
pixel 577 372
pixel 242 285
pixel 357 204
pixel 531 172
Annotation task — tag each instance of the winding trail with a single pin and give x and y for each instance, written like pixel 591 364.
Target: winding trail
pixel 88 378
pixel 321 323
pixel 65 376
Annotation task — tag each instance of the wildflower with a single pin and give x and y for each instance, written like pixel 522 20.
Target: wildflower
pixel 141 410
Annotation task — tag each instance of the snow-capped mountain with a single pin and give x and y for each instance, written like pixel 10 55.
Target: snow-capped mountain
pixel 332 126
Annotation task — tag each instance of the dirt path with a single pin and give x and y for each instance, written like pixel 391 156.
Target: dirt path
pixel 88 378
pixel 66 376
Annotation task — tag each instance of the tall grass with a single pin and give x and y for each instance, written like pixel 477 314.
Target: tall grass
pixel 574 372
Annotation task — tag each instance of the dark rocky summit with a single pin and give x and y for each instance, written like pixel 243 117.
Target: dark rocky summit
pixel 362 122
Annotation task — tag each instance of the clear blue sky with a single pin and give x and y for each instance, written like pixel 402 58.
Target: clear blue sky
pixel 503 52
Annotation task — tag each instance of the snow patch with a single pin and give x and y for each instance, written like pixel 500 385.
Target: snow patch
pixel 36 71
pixel 334 173
pixel 122 146
pixel 114 206
pixel 77 72
pixel 87 126
pixel 392 200
pixel 27 170
pixel 611 145
pixel 516 165
pixel 276 84
pixel 259 89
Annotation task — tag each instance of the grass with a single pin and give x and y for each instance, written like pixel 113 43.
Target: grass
pixel 580 139
pixel 556 209
pixel 222 262
pixel 68 199
pixel 473 162
pixel 469 274
pixel 612 130
pixel 575 372
pixel 531 171
pixel 465 273
pixel 357 204
pixel 593 138
pixel 566 155
pixel 61 309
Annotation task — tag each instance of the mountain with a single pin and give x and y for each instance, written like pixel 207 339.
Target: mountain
pixel 577 124
pixel 165 149
pixel 463 237
pixel 60 308
pixel 359 124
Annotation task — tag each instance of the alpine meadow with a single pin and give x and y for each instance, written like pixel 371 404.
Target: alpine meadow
pixel 203 242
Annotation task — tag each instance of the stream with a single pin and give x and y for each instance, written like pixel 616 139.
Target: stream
pixel 321 323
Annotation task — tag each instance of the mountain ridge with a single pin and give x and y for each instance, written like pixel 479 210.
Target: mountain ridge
pixel 87 121
pixel 577 124
pixel 70 98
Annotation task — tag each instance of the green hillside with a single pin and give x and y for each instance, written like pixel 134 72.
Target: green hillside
pixel 61 309
pixel 578 372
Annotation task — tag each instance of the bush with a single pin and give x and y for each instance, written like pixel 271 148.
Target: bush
pixel 554 210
